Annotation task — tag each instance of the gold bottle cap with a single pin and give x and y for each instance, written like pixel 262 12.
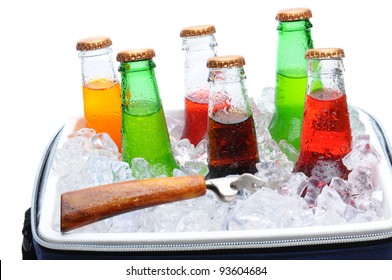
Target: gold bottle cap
pixel 93 43
pixel 135 55
pixel 293 14
pixel 324 53
pixel 227 61
pixel 198 30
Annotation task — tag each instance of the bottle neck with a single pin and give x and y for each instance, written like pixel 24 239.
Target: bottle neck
pixel 326 76
pixel 229 102
pixel 197 51
pixel 97 65
pixel 140 94
pixel 205 43
pixel 294 39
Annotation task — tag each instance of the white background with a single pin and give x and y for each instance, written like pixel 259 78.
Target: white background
pixel 40 68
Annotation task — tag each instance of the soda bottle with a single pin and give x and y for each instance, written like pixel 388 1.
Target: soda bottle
pixel 101 88
pixel 199 44
pixel 326 132
pixel 144 129
pixel 232 142
pixel 294 39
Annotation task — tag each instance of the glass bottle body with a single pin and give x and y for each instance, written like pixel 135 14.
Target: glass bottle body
pixel 144 129
pixel 232 142
pixel 294 39
pixel 326 132
pixel 101 93
pixel 197 90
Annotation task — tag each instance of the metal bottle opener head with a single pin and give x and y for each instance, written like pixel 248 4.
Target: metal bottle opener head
pixel 227 188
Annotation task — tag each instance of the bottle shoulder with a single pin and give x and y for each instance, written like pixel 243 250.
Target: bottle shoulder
pixel 137 66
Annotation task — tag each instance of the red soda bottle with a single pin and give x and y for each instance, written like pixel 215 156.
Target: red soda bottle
pixel 232 142
pixel 199 44
pixel 326 132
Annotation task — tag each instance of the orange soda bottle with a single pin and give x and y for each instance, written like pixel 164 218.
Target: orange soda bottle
pixel 101 88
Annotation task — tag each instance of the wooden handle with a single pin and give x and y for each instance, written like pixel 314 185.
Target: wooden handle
pixel 85 206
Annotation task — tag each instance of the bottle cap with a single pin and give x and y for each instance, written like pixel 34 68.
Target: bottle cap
pixel 324 53
pixel 93 43
pixel 135 55
pixel 293 14
pixel 198 30
pixel 227 61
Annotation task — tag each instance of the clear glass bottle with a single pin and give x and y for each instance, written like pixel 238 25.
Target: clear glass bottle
pixel 101 88
pixel 326 132
pixel 199 44
pixel 144 128
pixel 232 142
pixel 294 39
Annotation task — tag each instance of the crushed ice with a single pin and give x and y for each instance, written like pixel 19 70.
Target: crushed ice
pixel 88 159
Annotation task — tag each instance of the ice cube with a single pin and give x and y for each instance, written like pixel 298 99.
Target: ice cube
pixel 295 185
pixel 360 139
pixel 102 226
pixel 351 213
pixel 178 173
pixel 102 141
pixel 362 155
pixel 205 213
pixel 367 217
pixel 371 201
pixel 362 179
pixel 266 209
pixel 121 171
pixel 330 218
pixel 86 133
pixel 193 221
pixel 185 152
pixel 72 156
pixel 175 126
pixel 330 201
pixel 313 189
pixel 140 168
pixel 128 222
pixel 357 126
pixel 200 152
pixel 291 153
pixel 74 181
pixel 274 173
pixel 343 188
pixel 182 150
pixel 100 170
pixel 266 101
pixel 195 168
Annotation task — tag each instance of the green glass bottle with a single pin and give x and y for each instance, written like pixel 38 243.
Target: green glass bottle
pixel 144 129
pixel 294 39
